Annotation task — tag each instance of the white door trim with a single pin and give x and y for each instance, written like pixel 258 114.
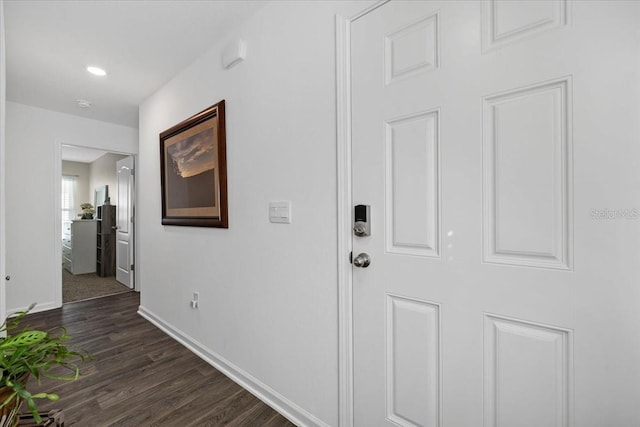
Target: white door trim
pixel 345 283
pixel 57 214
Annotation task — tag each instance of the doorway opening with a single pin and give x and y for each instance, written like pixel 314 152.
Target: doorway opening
pixel 96 194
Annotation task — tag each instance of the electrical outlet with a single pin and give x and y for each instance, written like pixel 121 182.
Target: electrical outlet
pixel 195 302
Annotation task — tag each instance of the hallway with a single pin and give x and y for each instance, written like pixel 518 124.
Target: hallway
pixel 140 376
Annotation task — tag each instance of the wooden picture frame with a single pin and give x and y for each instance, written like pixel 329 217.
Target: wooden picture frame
pixel 193 171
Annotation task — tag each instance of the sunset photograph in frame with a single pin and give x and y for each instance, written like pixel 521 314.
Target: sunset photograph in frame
pixel 194 170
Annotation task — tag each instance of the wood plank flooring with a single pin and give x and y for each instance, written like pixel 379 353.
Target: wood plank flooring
pixel 140 376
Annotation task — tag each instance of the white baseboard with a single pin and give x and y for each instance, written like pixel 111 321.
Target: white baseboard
pixel 38 308
pixel 284 406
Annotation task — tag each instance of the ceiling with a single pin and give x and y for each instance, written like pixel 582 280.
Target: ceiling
pixel 141 45
pixel 81 154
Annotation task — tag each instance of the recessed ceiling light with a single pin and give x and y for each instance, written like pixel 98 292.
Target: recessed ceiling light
pixel 96 71
pixel 83 103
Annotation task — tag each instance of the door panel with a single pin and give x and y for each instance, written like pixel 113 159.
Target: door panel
pixel 124 222
pixel 505 22
pixel 535 396
pixel 413 361
pixel 489 142
pixel 527 182
pixel 412 185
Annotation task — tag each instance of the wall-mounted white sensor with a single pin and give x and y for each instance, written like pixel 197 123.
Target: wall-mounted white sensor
pixel 83 103
pixel 234 53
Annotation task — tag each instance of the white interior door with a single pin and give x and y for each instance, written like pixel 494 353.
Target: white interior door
pixel 124 222
pixel 497 144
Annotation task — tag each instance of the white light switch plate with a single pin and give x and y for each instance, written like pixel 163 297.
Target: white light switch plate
pixel 280 212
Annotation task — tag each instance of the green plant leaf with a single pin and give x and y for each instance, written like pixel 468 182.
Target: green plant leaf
pixel 34 353
pixel 25 338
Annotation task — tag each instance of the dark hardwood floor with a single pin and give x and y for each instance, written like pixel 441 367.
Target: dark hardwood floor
pixel 140 376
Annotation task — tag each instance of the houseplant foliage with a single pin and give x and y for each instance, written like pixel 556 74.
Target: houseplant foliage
pixel 26 353
pixel 87 211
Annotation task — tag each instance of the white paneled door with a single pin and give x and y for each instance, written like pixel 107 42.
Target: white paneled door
pixel 498 146
pixel 124 222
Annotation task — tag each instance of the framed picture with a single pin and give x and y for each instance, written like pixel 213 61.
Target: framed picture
pixel 193 168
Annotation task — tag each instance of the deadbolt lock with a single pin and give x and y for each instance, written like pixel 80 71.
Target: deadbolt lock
pixel 362 220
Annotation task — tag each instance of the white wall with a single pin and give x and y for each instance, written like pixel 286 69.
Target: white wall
pixel 103 172
pixel 33 136
pixel 82 172
pixel 3 92
pixel 268 292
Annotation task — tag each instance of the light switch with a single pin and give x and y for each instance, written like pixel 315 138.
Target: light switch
pixel 280 212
